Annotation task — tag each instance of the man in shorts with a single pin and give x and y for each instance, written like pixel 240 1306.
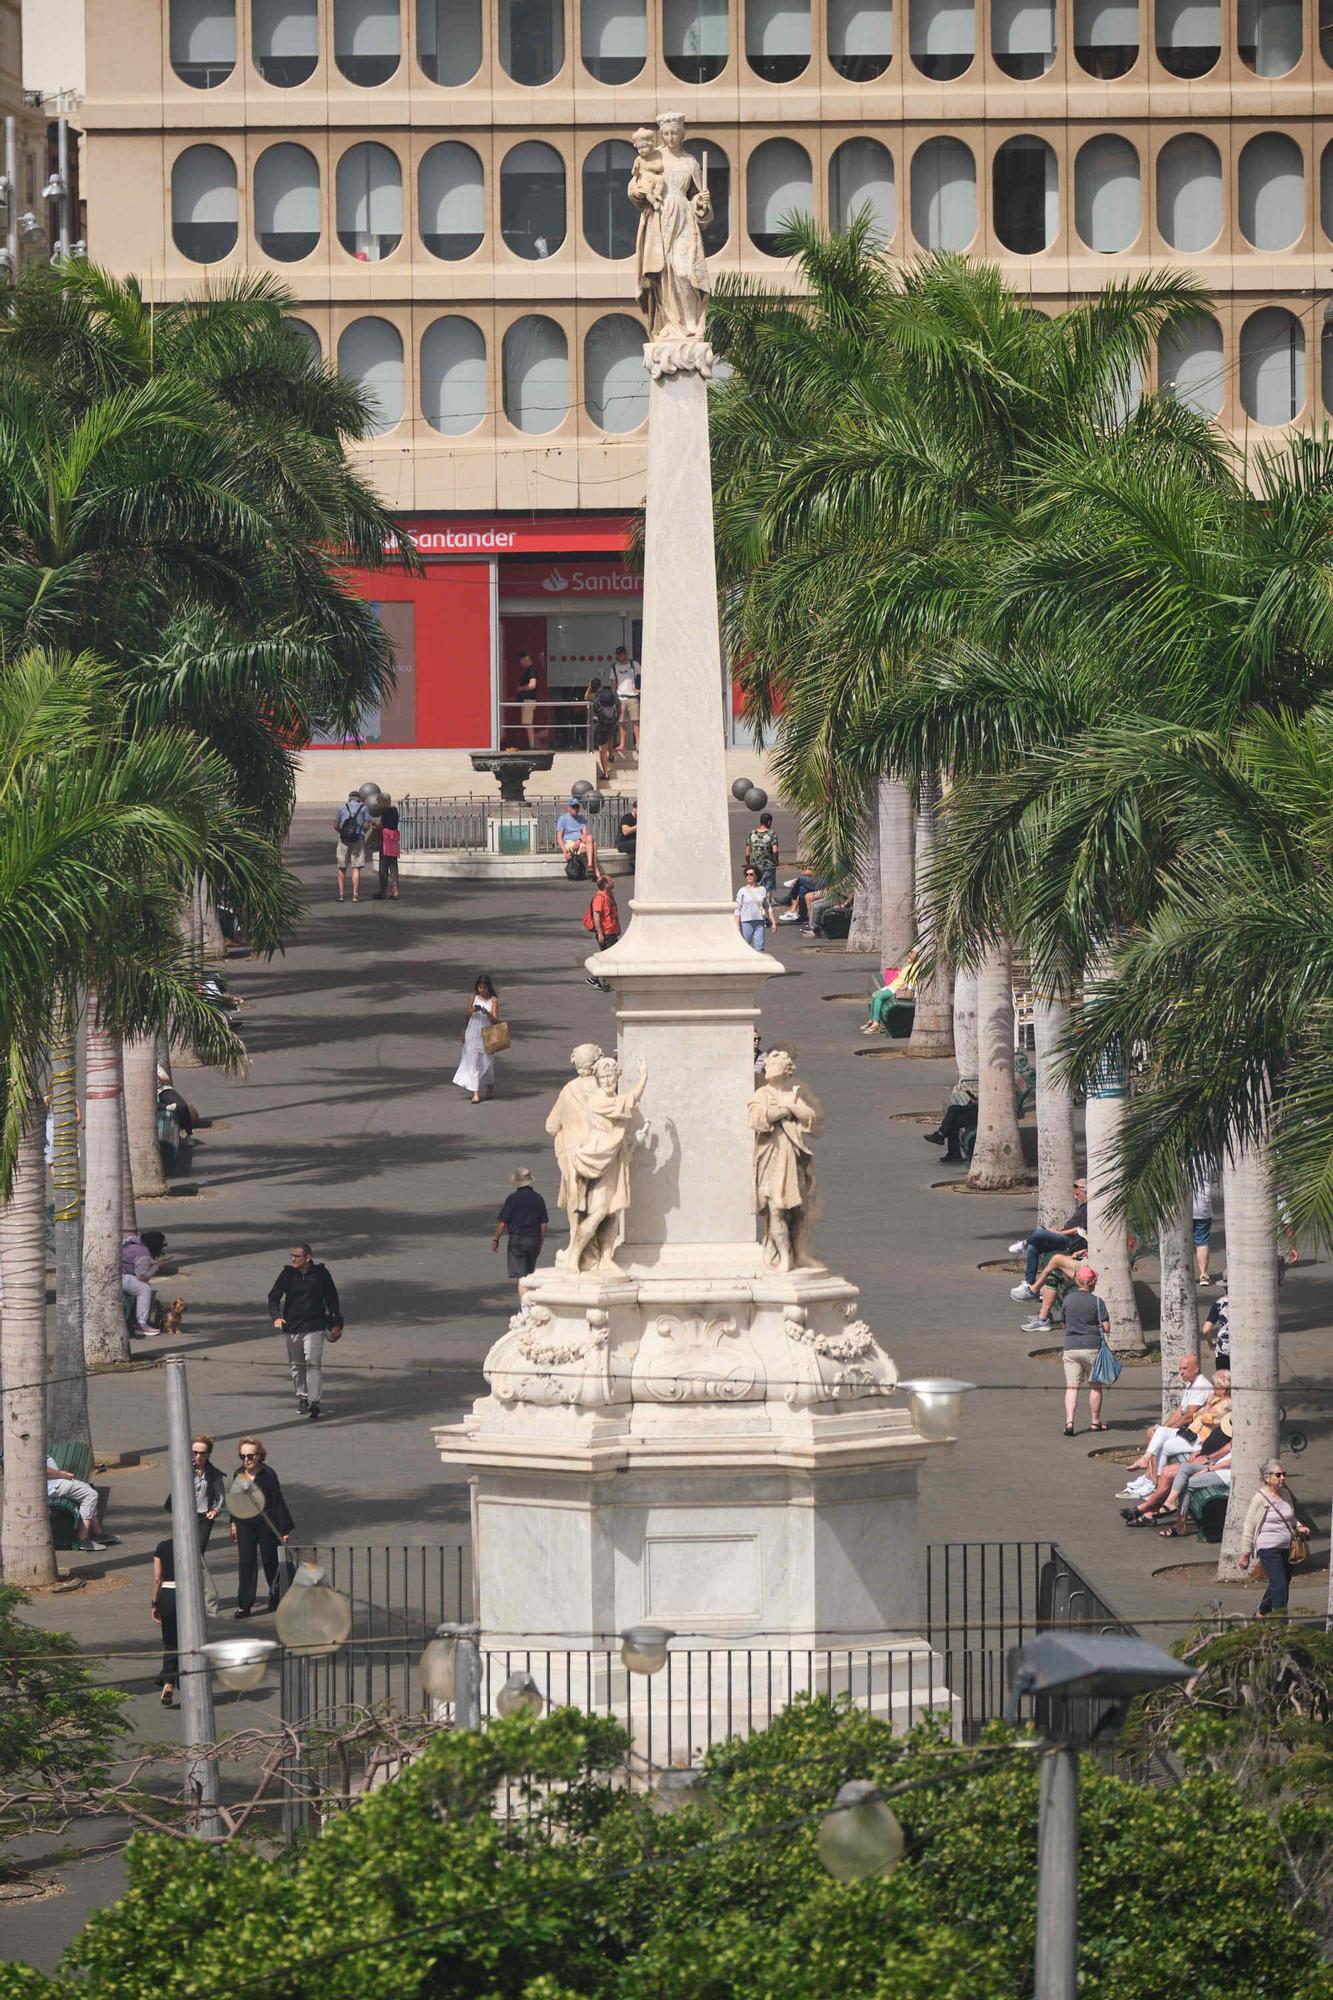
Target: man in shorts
pixel 626 673
pixel 1201 1217
pixel 59 1486
pixel 352 824
pixel 573 836
pixel 604 706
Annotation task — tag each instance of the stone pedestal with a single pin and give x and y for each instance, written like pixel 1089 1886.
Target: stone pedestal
pixel 686 1435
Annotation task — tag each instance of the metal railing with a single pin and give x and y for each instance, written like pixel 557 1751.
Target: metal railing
pixel 466 822
pixel 555 725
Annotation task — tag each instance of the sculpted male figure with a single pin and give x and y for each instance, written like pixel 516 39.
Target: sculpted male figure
pixel 782 1118
pixel 599 1163
pixel 568 1117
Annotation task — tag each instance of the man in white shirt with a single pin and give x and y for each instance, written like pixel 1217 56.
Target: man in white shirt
pixel 1164 1439
pixel 627 693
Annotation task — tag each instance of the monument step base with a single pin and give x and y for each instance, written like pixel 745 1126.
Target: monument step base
pixel 476 865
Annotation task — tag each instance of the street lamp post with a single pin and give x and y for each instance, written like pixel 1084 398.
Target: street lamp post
pixel 1072 1667
pixel 195 1682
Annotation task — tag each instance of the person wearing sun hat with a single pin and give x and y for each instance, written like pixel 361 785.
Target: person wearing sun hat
pixel 525 1218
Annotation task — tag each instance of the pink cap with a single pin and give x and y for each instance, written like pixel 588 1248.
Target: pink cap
pixel 1085 1275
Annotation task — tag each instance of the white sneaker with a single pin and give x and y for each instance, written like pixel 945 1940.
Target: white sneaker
pixel 1036 1325
pixel 1015 1249
pixel 790 881
pixel 1024 1291
pixel 789 917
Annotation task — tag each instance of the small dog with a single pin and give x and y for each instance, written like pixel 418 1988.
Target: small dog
pixel 172 1318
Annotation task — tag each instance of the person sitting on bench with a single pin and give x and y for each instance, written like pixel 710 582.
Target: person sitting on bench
pixel 1072 1239
pixel 794 902
pixel 958 1120
pixel 897 993
pixel 59 1486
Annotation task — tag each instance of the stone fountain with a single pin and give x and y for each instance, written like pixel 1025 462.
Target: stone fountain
pixel 690 1422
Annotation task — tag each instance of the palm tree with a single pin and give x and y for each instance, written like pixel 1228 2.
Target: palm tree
pixel 67 1404
pixel 26 1553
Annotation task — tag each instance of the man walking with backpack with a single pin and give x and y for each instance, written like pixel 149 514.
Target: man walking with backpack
pixel 352 823
pixel 304 1306
pixel 604 703
pixel 761 853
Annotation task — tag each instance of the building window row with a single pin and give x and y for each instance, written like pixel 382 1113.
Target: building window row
pixel 453 375
pixel 1106 37
pixel 779 182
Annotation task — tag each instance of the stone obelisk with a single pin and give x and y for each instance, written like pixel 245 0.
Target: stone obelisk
pixel 689 1422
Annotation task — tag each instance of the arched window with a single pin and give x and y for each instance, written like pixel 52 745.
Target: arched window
pixel 613 39
pixel 451 201
pixel 453 376
pixel 944 195
pixel 534 363
pixel 1107 199
pixel 777 38
pixel 615 381
pixel 449 40
pixel 1189 35
pixel 943 37
pixel 367 44
pixel 1270 35
pixel 286 202
pixel 370 202
pixel 1106 36
pixel 284 40
pixel 203 204
pixel 1022 37
pixel 203 41
pixel 860 38
pixel 532 39
pixel 1326 191
pixel 532 199
pixel 860 174
pixel 717 169
pixel 1272 366
pixel 1272 192
pixel 779 183
pixel 370 353
pixel 1326 367
pixel 1189 192
pixel 610 220
pixel 694 38
pixel 305 336
pixel 1189 365
pixel 1026 192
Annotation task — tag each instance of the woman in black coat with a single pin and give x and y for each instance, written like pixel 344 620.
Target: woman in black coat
pixel 210 1488
pixel 262 1537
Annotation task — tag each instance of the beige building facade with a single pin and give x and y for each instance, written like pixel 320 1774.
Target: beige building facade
pixel 441 183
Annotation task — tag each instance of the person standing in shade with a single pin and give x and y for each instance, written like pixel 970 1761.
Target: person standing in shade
pixel 629 834
pixel 304 1306
pixel 261 1539
pixel 210 1488
pixel 390 847
pixel 525 694
pixel 754 910
pixel 762 849
pixel 1270 1523
pixel 525 1218
pixel 352 824
pixel 164 1615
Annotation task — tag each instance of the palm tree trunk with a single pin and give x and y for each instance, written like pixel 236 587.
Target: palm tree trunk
pixel 1108 1244
pixel 897 899
pixel 1180 1311
pixel 932 1024
pixel 1055 1115
pixel 129 1214
pixel 26 1549
pixel 104 1335
pixel 213 943
pixel 997 1161
pixel 865 926
pixel 67 1402
pixel 146 1175
pixel 1251 1226
pixel 965 1027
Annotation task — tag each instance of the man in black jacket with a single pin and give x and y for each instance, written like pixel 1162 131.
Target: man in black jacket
pixel 304 1305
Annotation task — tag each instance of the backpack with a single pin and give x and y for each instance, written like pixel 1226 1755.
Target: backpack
pixel 606 705
pixel 348 823
pixel 588 923
pixel 576 867
pixel 762 842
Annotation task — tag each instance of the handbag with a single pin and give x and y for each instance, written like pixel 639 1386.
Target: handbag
pixel 1298 1549
pixel 1106 1368
pixel 495 1037
pixel 390 843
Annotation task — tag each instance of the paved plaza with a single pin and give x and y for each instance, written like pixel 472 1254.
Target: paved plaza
pixel 347 1132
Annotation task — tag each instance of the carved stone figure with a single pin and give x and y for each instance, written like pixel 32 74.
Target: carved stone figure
pixel 669 188
pixel 569 1114
pixel 783 1117
pixel 599 1170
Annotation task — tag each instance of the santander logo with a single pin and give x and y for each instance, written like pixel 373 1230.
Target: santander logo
pixel 556 581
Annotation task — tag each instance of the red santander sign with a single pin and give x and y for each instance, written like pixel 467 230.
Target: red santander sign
pixel 443 535
pixel 567 577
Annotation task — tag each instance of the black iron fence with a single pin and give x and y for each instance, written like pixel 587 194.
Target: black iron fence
pixel 484 820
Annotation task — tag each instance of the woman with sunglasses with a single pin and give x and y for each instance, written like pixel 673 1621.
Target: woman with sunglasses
pixel 1270 1523
pixel 260 1538
pixel 210 1488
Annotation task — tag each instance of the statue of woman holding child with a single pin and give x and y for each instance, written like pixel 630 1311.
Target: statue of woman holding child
pixel 670 189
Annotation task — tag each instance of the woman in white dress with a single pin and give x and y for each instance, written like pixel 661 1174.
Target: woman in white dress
pixel 476 1072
